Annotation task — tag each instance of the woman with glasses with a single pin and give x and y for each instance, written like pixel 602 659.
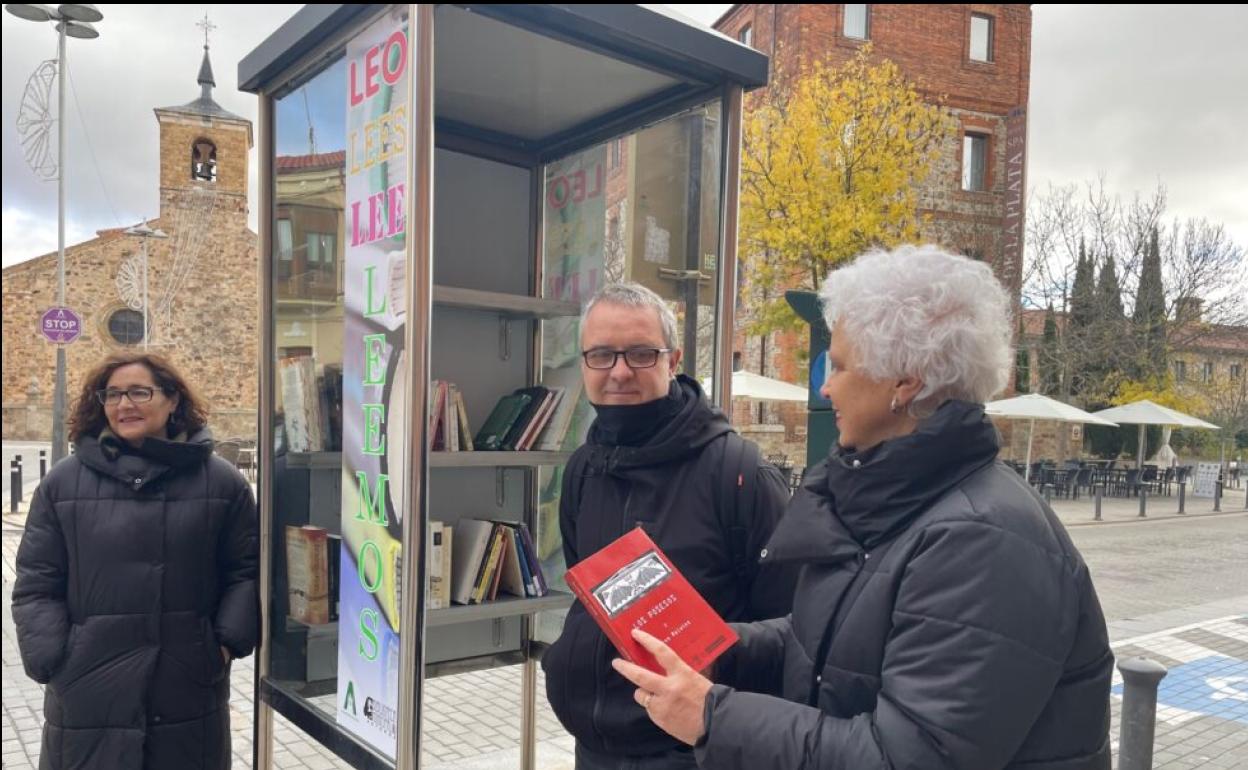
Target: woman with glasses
pixel 136 578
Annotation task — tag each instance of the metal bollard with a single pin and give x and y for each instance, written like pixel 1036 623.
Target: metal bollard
pixel 1183 497
pixel 1140 677
pixel 43 463
pixel 21 493
pixel 14 486
pixel 1217 498
pixel 1099 491
pixel 1143 502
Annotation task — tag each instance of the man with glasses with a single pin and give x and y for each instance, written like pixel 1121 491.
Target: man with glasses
pixel 659 456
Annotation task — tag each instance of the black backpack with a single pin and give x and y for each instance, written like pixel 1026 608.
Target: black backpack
pixel 738 482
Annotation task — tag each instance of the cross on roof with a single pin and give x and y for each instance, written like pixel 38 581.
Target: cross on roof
pixel 207 26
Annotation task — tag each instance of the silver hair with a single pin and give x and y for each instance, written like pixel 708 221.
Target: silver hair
pixel 919 311
pixel 631 294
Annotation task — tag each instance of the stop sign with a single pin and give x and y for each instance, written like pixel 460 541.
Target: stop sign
pixel 60 325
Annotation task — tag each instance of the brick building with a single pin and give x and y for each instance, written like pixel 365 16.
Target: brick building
pixel 975 59
pixel 201 282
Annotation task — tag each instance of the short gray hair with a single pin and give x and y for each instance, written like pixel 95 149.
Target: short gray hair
pixel 919 311
pixel 631 294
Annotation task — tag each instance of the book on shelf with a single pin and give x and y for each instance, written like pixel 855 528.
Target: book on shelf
pixel 465 431
pixel 436 396
pixel 493 557
pixel 501 419
pixel 301 404
pixel 533 418
pixel 333 554
pixel 535 426
pixel 535 565
pixel 632 584
pixel 469 547
pixel 537 397
pixel 485 570
pixel 448 419
pixel 441 538
pixel 307 574
pixel 552 436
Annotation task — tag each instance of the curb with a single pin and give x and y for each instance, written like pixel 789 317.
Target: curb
pixel 1160 517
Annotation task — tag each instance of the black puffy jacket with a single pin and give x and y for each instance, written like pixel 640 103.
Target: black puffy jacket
pixel 943 619
pixel 134 569
pixel 669 486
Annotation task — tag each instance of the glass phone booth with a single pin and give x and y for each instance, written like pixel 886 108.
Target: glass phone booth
pixel 442 187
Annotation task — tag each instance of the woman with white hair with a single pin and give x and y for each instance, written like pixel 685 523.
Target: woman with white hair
pixel 943 619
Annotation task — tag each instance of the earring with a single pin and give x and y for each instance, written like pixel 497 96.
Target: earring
pixel 893 407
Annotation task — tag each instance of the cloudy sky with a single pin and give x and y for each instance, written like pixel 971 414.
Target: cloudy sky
pixel 1135 93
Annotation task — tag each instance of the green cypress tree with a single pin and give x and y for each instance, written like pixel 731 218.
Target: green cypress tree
pixel 1149 316
pixel 1083 291
pixel 1022 364
pixel 1081 320
pixel 1050 359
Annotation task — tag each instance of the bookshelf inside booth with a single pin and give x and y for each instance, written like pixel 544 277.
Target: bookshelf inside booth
pixel 486 319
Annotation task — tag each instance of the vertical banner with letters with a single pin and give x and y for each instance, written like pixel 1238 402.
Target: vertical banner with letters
pixel 373 384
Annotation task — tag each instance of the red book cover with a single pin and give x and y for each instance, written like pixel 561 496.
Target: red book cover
pixel 632 584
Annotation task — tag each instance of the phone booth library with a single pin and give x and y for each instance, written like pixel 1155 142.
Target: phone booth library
pixel 442 187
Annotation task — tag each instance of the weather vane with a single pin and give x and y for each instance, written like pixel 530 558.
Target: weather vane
pixel 207 27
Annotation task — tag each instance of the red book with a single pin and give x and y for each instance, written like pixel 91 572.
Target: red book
pixel 632 584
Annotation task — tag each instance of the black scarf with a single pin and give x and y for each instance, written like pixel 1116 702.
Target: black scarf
pixel 860 499
pixel 635 424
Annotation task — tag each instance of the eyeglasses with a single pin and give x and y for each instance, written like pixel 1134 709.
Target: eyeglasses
pixel 137 395
pixel 635 358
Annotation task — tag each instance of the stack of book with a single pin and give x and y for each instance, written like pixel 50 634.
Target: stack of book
pixel 448 419
pixel 529 418
pixel 312 560
pixel 493 556
pixel 441 538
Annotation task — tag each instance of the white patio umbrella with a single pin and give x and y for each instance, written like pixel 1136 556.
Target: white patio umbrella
pixel 1034 406
pixel 750 385
pixel 1145 412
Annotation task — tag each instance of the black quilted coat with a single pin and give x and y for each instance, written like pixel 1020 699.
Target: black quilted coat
pixel 136 567
pixel 943 621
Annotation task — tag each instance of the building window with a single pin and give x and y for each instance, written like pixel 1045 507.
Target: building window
pixel 1237 371
pixel 1206 372
pixel 981 37
pixel 617 154
pixel 126 326
pixel 858 21
pixel 974 162
pixel 1180 370
pixel 746 35
pixel 285 240
pixel 204 161
pixel 320 248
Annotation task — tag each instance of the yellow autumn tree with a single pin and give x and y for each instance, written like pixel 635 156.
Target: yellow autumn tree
pixel 831 167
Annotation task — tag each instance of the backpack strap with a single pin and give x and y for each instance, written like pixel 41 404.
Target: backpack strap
pixel 574 471
pixel 738 484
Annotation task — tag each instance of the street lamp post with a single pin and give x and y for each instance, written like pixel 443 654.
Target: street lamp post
pixel 145 232
pixel 72 20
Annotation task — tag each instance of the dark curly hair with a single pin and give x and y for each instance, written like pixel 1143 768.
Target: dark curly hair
pixel 88 417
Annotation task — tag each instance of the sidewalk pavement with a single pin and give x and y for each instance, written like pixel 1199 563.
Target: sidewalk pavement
pixel 472 720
